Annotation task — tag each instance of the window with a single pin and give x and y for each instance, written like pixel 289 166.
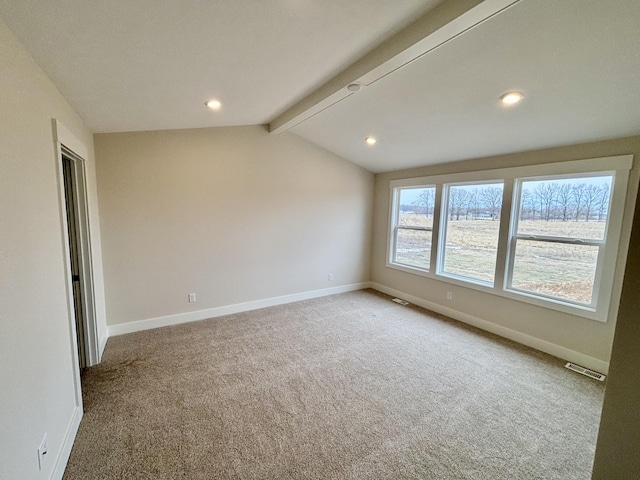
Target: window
pixel 558 236
pixel 414 226
pixel 470 235
pixel 545 234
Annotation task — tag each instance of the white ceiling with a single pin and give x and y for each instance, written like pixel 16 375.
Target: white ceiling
pixel 576 61
pixel 128 65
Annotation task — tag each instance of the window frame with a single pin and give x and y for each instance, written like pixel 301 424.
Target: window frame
pixel 396 206
pixel 442 239
pixel 514 236
pixel 618 166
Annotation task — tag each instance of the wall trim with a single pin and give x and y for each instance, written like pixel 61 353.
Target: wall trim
pixel 157 322
pixel 522 338
pixel 103 343
pixel 67 444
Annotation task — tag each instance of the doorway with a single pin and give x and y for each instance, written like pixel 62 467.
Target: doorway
pixel 79 257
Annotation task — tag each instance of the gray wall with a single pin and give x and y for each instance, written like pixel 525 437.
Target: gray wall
pixel 233 214
pixel 37 389
pixel 590 339
pixel 618 449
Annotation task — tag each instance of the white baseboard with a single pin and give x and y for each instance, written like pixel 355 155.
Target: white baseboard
pixel 67 444
pixel 533 342
pixel 149 323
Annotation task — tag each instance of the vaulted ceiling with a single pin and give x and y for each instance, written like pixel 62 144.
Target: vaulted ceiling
pixel 429 72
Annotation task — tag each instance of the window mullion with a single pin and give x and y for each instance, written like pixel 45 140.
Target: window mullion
pixel 504 233
pixel 435 233
pixel 394 240
pixel 394 220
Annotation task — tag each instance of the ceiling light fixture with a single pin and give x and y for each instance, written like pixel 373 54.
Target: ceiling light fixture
pixel 371 140
pixel 354 87
pixel 511 98
pixel 213 104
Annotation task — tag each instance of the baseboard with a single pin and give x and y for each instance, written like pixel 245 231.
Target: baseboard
pixel 149 323
pixel 533 342
pixel 67 444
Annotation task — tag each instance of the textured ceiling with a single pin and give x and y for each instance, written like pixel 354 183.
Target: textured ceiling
pixel 577 62
pixel 128 65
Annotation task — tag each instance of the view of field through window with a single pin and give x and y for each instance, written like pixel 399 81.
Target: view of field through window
pixel 472 225
pixel 575 209
pixel 569 213
pixel 413 241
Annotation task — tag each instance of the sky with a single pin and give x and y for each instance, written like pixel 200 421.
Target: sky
pixel 409 195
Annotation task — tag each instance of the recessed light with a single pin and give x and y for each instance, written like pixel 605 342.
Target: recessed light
pixel 511 98
pixel 371 140
pixel 353 87
pixel 213 104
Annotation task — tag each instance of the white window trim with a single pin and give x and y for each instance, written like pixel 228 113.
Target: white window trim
pixel 619 166
pixel 514 236
pixel 442 239
pixel 395 202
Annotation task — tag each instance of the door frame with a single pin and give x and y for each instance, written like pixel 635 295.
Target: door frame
pixel 74 149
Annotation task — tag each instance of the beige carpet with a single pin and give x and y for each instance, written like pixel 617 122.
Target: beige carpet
pixel 351 386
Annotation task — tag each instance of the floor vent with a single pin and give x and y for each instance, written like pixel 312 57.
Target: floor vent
pixel 400 301
pixel 584 371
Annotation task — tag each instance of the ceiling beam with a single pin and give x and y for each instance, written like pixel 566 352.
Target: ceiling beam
pixel 445 22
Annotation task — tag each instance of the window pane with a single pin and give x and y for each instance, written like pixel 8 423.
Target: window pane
pixel 556 269
pixel 416 206
pixel 566 207
pixel 415 209
pixel 472 227
pixel 413 248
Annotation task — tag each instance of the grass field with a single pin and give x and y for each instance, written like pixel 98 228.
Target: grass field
pixel 560 270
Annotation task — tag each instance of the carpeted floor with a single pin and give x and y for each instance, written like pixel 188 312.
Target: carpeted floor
pixel 351 386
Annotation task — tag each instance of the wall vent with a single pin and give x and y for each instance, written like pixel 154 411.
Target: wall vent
pixel 585 371
pixel 400 301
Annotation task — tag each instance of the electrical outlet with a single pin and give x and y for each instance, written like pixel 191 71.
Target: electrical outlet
pixel 330 278
pixel 192 298
pixel 42 451
pixel 449 295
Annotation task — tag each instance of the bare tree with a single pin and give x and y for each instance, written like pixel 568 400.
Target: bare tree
pixel 528 204
pixel 424 202
pixel 458 200
pixel 603 201
pixel 546 194
pixel 474 203
pixel 491 198
pixel 591 198
pixel 578 191
pixel 565 201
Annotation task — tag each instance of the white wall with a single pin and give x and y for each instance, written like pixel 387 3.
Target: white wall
pixel 37 389
pixel 571 337
pixel 233 214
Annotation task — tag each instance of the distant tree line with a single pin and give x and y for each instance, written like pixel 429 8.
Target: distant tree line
pixel 548 201
pixel 464 203
pixel 565 202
